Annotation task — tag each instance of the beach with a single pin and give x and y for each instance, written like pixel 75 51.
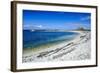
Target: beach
pixel 78 48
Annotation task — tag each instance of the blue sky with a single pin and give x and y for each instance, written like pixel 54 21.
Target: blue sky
pixel 33 19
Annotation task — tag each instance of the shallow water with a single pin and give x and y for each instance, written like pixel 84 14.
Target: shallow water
pixel 34 39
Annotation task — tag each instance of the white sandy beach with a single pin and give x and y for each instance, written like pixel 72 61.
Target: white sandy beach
pixel 77 49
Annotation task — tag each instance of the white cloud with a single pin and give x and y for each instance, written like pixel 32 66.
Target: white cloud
pixel 85 18
pixel 40 26
pixel 32 26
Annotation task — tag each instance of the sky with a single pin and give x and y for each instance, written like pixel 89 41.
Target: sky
pixel 33 19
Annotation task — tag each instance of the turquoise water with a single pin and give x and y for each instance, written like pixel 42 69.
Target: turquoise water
pixel 34 39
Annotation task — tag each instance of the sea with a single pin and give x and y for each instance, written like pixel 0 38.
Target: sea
pixel 32 39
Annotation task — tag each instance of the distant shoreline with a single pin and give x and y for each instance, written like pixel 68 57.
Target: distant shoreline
pixel 53 30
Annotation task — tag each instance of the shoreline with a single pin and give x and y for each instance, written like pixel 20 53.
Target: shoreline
pixel 47 45
pixel 62 51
